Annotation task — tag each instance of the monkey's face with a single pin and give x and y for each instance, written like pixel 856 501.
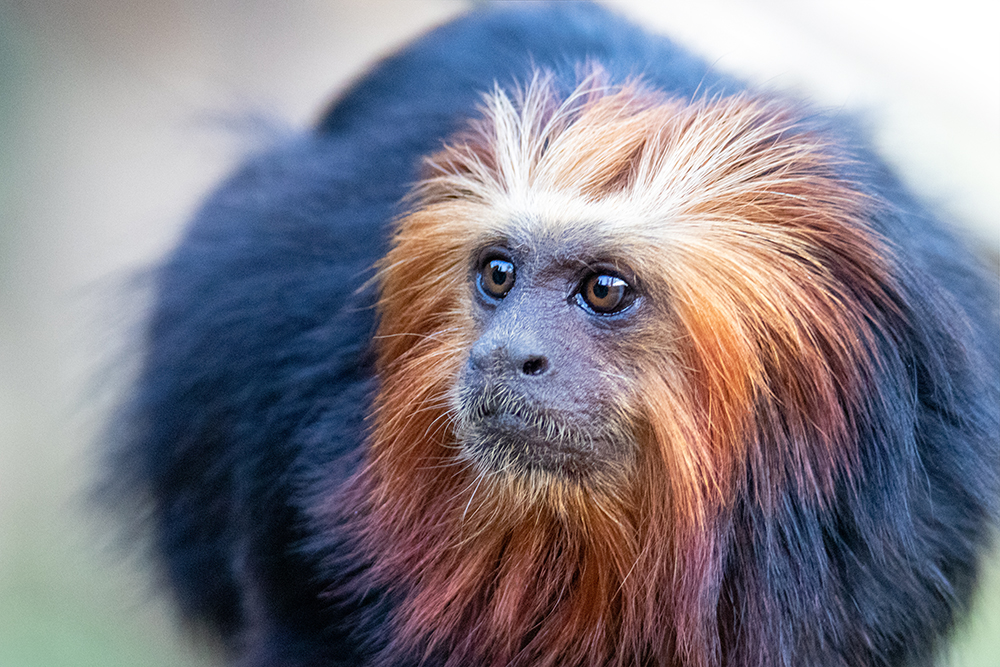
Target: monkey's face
pixel 541 387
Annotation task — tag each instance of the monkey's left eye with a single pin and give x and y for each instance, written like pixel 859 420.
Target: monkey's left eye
pixel 605 294
pixel 496 277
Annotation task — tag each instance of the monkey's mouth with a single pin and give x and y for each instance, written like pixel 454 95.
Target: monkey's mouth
pixel 502 431
pixel 504 412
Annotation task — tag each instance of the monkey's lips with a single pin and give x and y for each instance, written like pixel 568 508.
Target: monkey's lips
pixel 507 416
pixel 504 432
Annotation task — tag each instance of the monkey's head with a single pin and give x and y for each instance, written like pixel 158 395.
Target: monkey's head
pixel 608 318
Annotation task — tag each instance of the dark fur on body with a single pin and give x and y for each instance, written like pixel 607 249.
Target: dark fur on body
pixel 260 432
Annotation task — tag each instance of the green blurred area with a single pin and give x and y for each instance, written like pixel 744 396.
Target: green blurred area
pixel 67 598
pixel 977 642
pixel 56 612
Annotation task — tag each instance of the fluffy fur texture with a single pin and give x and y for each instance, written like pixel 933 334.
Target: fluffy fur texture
pixel 804 415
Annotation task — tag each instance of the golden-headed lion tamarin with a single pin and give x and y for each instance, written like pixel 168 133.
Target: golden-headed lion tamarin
pixel 653 371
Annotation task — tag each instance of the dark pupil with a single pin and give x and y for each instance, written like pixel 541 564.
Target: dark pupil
pixel 601 287
pixel 499 275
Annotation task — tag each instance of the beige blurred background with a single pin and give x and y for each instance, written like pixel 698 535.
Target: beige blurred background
pixel 111 130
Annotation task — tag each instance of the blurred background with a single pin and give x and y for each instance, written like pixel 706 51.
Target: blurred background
pixel 116 116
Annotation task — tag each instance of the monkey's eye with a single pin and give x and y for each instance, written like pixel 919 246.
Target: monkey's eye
pixel 496 277
pixel 605 294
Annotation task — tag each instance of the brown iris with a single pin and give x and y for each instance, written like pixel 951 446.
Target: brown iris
pixel 496 277
pixel 605 294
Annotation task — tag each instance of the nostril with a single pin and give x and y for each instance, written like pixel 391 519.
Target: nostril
pixel 535 366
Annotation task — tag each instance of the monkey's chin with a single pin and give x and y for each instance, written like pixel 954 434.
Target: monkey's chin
pixel 508 443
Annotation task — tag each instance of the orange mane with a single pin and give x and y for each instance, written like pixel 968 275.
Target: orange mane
pixel 769 288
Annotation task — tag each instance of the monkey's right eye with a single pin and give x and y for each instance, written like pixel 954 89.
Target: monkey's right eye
pixel 496 277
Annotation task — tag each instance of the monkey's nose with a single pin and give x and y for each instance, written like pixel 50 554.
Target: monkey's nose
pixel 525 355
pixel 509 357
pixel 535 365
